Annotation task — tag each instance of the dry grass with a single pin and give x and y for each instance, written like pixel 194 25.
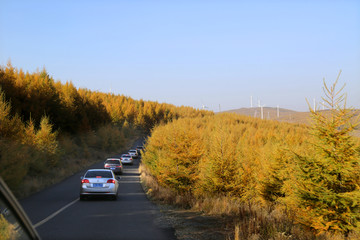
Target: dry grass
pixel 7 230
pixel 218 206
pixel 152 188
pixel 253 222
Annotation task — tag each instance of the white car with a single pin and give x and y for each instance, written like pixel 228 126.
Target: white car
pixel 127 159
pixel 133 153
pixel 99 182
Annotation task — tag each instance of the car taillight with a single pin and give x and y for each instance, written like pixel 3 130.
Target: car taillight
pixel 118 166
pixel 111 181
pixel 106 165
pixel 85 181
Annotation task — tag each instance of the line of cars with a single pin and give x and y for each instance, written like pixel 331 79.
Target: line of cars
pixel 116 163
pixel 104 182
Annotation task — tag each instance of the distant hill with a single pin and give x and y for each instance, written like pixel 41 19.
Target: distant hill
pixel 272 114
pixel 285 115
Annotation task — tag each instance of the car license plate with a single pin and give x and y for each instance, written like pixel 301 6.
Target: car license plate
pixel 112 168
pixel 97 185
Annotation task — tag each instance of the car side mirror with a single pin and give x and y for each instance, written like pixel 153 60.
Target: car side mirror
pixel 81 178
pixel 118 178
pixel 14 220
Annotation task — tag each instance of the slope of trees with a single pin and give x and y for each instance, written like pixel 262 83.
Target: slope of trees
pixel 226 154
pixel 73 110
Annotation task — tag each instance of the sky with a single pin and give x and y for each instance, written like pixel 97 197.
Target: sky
pixel 215 54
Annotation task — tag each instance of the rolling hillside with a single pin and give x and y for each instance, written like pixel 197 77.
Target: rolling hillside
pixel 285 115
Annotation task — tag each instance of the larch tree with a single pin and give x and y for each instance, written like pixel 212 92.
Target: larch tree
pixel 10 126
pixel 328 192
pixel 46 140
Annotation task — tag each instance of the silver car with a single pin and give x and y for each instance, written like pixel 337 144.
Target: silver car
pixel 127 159
pixel 133 153
pixel 99 182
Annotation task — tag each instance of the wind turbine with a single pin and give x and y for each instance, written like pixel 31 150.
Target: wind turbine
pixel 262 111
pixel 203 107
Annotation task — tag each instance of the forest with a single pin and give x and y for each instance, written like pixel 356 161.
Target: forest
pixel 277 180
pixel 47 125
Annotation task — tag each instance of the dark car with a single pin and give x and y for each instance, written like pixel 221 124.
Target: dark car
pixel 139 149
pixel 114 164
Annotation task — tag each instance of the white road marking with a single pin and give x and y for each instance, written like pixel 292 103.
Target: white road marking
pixel 124 182
pixel 55 213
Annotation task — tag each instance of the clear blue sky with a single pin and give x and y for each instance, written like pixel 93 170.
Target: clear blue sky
pixel 190 52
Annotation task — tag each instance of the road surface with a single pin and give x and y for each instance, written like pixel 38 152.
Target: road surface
pixel 57 212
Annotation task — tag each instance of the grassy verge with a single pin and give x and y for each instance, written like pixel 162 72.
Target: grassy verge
pixel 7 230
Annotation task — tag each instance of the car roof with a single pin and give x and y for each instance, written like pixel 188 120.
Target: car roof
pixel 105 170
pixel 113 159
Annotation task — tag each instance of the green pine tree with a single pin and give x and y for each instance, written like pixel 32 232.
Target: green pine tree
pixel 328 182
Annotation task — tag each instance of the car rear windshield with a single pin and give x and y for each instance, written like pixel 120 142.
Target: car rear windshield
pixel 112 162
pixel 126 155
pixel 132 151
pixel 94 174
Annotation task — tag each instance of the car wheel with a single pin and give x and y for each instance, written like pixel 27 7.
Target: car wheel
pixel 114 197
pixel 82 198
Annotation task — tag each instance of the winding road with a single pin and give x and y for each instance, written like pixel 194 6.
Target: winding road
pixel 57 213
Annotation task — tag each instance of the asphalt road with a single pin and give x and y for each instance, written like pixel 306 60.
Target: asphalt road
pixel 57 212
